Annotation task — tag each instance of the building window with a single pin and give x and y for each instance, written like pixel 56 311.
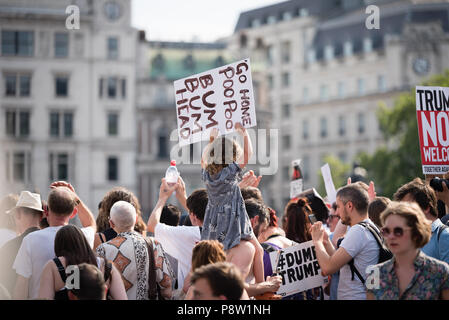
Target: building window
pixel 113 124
pixel 61 45
pixel 163 144
pixel 287 15
pixel 286 142
pixel 100 87
pixel 17 123
pixel 18 166
pixel 367 45
pixel 323 127
pixel 62 86
pixel 285 52
pixel 59 166
pixel 255 23
pixel 305 129
pixel 116 87
pixel 123 82
pixel 323 92
pixel 341 126
pixel 270 55
pixel 17 43
pixel 347 49
pixel 112 48
pixel 360 123
pixel 271 20
pixel 286 110
pixel 328 52
pixel 286 79
pixel 381 86
pixel 113 169
pixel 340 90
pixel 112 88
pixel 360 86
pixel 61 124
pixel 311 56
pixel 17 85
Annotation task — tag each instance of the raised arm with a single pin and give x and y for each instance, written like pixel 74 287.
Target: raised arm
pixel 165 192
pixel 247 146
pixel 86 217
pixel 181 193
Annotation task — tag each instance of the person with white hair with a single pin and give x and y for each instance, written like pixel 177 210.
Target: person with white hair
pixel 134 256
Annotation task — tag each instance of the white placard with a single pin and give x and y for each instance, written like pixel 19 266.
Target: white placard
pixel 298 267
pixel 329 183
pixel 218 98
pixel 295 188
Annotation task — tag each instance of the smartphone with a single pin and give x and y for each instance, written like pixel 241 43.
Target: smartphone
pixel 312 218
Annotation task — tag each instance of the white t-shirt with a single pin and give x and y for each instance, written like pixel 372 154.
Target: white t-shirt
pixel 360 244
pixel 178 241
pixel 6 235
pixel 36 249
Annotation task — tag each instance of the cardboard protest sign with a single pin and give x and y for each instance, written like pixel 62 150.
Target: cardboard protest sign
pixel 218 98
pixel 298 267
pixel 296 184
pixel 432 111
pixel 329 183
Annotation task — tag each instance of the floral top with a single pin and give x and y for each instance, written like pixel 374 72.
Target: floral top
pixel 430 279
pixel 129 253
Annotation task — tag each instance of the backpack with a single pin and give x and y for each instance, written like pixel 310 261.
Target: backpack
pixel 384 253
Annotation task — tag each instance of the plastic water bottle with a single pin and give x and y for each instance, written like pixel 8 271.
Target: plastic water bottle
pixel 172 174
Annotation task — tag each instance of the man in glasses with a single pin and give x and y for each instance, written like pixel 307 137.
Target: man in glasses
pixel 358 245
pixel 421 193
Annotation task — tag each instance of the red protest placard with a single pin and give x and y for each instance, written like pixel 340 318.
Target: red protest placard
pixel 432 111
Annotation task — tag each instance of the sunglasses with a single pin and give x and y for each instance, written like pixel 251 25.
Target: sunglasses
pixel 332 216
pixel 397 231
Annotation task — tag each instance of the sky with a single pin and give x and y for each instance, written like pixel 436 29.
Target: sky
pixel 190 20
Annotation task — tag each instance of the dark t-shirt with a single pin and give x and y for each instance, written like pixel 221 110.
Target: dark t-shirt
pixel 8 254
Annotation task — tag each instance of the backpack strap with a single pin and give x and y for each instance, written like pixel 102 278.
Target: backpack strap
pixel 153 288
pixel 107 269
pixel 355 271
pixel 61 269
pixel 102 237
pixel 379 243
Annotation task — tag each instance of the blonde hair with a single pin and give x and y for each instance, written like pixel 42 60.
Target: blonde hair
pixel 220 153
pixel 415 219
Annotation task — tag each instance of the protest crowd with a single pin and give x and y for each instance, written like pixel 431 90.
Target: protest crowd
pixel 361 246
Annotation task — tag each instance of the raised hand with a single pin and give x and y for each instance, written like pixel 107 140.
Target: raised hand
pixel 250 180
pixel 213 134
pixel 165 191
pixel 318 232
pixel 240 129
pixel 371 192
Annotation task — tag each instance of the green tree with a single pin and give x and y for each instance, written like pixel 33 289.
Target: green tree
pixel 399 161
pixel 340 173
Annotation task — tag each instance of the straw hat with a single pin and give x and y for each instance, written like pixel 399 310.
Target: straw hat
pixel 28 200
